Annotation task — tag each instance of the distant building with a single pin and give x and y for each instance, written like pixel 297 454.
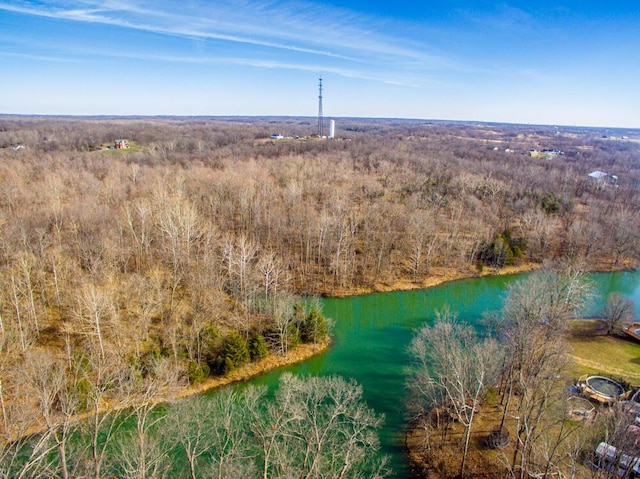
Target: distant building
pixel 546 153
pixel 603 178
pixel 332 129
pixel 553 152
pixel 121 144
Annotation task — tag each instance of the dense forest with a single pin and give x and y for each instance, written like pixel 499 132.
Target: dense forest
pixel 128 272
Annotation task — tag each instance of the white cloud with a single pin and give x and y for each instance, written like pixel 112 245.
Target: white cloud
pixel 310 29
pixel 45 58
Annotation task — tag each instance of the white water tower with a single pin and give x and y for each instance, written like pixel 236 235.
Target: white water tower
pixel 332 129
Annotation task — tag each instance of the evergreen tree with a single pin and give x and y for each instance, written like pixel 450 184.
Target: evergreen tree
pixel 314 327
pixel 234 353
pixel 258 347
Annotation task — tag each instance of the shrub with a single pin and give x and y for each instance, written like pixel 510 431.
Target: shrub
pixel 233 354
pixel 225 365
pixel 210 340
pixel 550 203
pixel 314 327
pixel 197 372
pixel 257 347
pixel 293 336
pixel 502 251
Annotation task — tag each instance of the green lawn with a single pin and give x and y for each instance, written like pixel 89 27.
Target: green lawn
pixel 595 353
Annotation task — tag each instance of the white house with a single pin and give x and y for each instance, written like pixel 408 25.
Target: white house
pixel 603 178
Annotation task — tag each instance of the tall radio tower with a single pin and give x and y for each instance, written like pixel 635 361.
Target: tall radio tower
pixel 320 119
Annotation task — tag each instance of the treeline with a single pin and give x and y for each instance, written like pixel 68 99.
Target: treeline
pixel 192 246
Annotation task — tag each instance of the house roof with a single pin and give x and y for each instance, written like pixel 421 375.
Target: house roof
pixel 598 174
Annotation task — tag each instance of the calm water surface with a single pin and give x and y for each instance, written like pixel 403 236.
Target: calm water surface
pixel 372 332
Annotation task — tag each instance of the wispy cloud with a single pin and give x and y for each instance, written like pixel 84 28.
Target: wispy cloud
pixel 362 74
pixel 502 17
pixel 40 58
pixel 314 31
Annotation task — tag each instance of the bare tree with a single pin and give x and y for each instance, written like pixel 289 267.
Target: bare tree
pixel 104 380
pixel 95 314
pixel 535 316
pixel 213 432
pixel 452 368
pixel 180 225
pixel 587 236
pixel 144 297
pixel 47 379
pixel 139 220
pixel 25 331
pixel 24 282
pixel 623 233
pixel 423 241
pixel 189 427
pixel 284 327
pixel 142 451
pixel 317 427
pixel 273 273
pixel 134 463
pixel 23 456
pixel 239 254
pixel 617 310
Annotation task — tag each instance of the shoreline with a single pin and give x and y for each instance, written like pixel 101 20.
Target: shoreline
pixel 268 364
pixel 307 351
pixel 251 370
pixel 438 276
pixel 303 352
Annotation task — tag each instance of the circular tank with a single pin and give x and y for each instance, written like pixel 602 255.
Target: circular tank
pixel 601 388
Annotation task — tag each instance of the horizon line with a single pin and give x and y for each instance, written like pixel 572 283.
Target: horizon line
pixel 364 118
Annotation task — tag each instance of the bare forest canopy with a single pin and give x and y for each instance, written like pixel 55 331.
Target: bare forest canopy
pixel 193 244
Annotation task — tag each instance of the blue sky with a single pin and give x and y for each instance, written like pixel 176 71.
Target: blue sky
pixel 545 62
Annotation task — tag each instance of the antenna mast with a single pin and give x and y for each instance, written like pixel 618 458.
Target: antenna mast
pixel 320 119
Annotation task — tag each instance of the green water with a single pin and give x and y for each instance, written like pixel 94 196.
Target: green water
pixel 372 332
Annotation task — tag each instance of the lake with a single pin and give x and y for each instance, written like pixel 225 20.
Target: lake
pixel 372 332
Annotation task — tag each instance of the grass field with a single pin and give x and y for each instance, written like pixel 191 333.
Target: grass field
pixel 593 352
